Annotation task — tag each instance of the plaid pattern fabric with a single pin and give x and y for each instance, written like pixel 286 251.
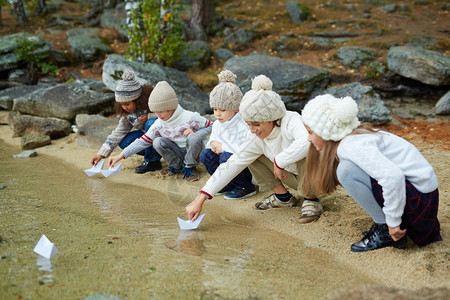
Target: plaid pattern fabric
pixel 420 214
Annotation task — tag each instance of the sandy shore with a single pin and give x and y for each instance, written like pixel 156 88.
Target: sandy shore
pixel 342 223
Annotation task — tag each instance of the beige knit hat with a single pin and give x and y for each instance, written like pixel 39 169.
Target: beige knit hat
pixel 226 95
pixel 331 118
pixel 127 89
pixel 162 98
pixel 261 104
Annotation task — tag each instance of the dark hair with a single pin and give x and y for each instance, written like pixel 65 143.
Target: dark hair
pixel 141 101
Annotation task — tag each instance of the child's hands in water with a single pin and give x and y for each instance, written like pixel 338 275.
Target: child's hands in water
pixel 96 159
pixel 115 159
pixel 194 209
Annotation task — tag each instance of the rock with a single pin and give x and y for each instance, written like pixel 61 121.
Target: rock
pixel 115 18
pixel 65 101
pixel 242 37
pixel 389 8
pixel 355 57
pixel 426 66
pixel 33 141
pixel 197 53
pixel 298 12
pixel 8 95
pixel 10 43
pixel 443 105
pixel 26 154
pixel 86 45
pixel 371 107
pixel 189 94
pixel 294 83
pixel 93 130
pixel 25 124
pixel 223 54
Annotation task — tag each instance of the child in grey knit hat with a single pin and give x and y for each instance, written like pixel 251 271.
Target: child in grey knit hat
pixel 132 107
pixel 177 135
pixel 229 131
pixel 274 151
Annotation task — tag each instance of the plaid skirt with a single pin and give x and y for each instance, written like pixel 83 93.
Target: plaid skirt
pixel 420 214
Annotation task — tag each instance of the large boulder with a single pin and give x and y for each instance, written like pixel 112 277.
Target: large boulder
pixel 371 107
pixel 189 94
pixel 443 105
pixel 65 101
pixel 427 66
pixel 355 57
pixel 10 43
pixel 8 95
pixel 86 45
pixel 293 81
pixel 93 130
pixel 53 127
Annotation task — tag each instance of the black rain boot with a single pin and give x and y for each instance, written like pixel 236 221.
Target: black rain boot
pixel 378 237
pixel 148 166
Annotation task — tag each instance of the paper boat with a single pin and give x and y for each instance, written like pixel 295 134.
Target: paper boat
pixel 45 248
pixel 94 170
pixel 188 225
pixel 111 171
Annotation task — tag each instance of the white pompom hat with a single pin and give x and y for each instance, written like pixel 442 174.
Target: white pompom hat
pixel 331 118
pixel 261 104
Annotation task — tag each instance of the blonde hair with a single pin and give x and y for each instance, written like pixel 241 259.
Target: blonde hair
pixel 320 169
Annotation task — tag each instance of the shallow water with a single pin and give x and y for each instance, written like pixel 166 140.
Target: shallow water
pixel 123 242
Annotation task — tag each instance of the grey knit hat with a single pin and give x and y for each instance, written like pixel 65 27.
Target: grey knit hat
pixel 127 89
pixel 162 98
pixel 226 95
pixel 261 104
pixel 331 118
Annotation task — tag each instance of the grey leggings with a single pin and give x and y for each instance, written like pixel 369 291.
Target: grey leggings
pixel 357 184
pixel 176 156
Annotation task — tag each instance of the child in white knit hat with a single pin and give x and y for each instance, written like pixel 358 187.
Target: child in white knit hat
pixel 229 131
pixel 177 135
pixel 132 107
pixel 275 153
pixel 384 173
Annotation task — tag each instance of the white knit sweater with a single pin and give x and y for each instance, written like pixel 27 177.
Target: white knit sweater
pixel 390 160
pixel 231 134
pixel 286 145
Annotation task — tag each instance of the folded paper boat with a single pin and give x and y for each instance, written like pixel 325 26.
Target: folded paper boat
pixel 45 248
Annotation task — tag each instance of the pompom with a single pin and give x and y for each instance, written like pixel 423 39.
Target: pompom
pixel 346 109
pixel 261 82
pixel 128 75
pixel 227 76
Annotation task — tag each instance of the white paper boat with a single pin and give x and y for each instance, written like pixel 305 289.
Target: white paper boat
pixel 111 171
pixel 94 170
pixel 188 225
pixel 45 248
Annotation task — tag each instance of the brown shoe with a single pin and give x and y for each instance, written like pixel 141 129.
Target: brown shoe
pixel 190 174
pixel 273 202
pixel 171 171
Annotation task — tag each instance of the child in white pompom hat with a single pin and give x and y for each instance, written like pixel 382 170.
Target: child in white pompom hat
pixel 384 173
pixel 274 151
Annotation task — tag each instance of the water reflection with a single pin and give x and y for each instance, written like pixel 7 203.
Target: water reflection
pixel 191 243
pixel 45 266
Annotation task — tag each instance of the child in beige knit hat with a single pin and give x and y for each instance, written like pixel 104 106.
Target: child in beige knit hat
pixel 274 151
pixel 177 135
pixel 229 131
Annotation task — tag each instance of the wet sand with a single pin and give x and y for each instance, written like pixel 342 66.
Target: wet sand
pixel 119 236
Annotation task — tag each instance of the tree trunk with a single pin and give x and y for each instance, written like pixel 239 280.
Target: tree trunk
pixel 20 13
pixel 1 20
pixel 41 7
pixel 202 14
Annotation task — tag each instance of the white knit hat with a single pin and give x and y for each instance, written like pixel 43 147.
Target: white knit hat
pixel 127 89
pixel 261 104
pixel 163 97
pixel 331 118
pixel 226 95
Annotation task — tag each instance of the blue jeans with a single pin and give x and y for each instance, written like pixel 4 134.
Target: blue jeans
pixel 211 161
pixel 149 153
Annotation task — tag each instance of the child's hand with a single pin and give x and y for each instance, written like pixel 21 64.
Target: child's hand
pixel 278 173
pixel 194 209
pixel 115 159
pixel 143 118
pixel 95 160
pixel 396 233
pixel 188 132
pixel 216 147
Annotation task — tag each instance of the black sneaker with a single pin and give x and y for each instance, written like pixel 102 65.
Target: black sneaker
pixel 240 193
pixel 148 166
pixel 377 237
